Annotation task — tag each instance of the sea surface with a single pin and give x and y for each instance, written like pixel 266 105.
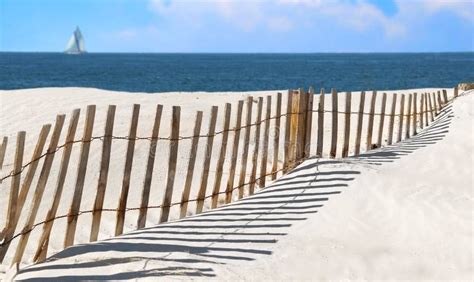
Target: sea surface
pixel 235 72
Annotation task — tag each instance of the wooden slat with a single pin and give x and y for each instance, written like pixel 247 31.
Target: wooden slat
pixel 301 136
pixel 431 107
pixel 221 159
pixel 172 161
pixel 415 113
pixel 11 222
pixel 3 149
pixel 347 125
pixel 382 120
pixel 276 137
pixel 440 102
pixel 191 164
pixel 253 172
pixel 445 96
pixel 426 109
pixel 320 141
pixel 266 136
pixel 436 108
pixel 38 195
pixel 333 151
pixel 141 220
pixel 207 161
pixel 360 120
pixel 422 110
pixel 309 122
pixel 245 151
pixel 392 120
pixel 25 187
pixel 402 117
pixel 295 108
pixel 370 127
pixel 122 204
pixel 286 145
pixel 103 174
pixel 42 247
pixel 235 151
pixel 409 113
pixel 81 174
pixel 456 91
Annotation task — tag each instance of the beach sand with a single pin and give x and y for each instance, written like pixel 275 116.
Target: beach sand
pixel 403 212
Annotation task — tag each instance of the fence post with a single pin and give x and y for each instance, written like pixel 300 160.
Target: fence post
pixel 347 125
pixel 3 149
pixel 422 101
pixel 319 146
pixel 456 91
pixel 382 120
pixel 333 151
pixel 235 151
pixel 426 108
pixel 435 105
pixel 276 137
pixel 445 96
pixel 81 173
pixel 122 205
pixel 172 160
pixel 293 146
pixel 253 174
pixel 245 151
pixel 207 161
pixel 407 130
pixel 415 112
pixel 370 127
pixel 400 121
pixel 42 248
pixel 301 135
pixel 309 122
pixel 289 115
pixel 220 161
pixel 266 133
pixel 360 120
pixel 191 163
pixel 392 119
pixel 141 221
pixel 38 195
pixel 440 103
pixel 11 223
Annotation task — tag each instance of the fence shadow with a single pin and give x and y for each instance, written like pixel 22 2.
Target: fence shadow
pixel 241 231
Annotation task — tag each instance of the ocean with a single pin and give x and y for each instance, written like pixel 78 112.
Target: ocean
pixel 235 72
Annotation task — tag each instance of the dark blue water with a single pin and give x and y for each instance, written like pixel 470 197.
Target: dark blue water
pixel 234 72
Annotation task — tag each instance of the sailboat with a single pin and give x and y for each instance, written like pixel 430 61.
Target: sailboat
pixel 75 45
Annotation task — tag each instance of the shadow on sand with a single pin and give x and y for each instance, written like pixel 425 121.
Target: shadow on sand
pixel 241 231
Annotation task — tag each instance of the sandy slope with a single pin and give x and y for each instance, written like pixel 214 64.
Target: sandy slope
pixel 402 212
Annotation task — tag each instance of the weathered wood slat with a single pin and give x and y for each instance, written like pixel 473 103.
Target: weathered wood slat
pixel 3 149
pixel 436 108
pixel 392 120
pixel 382 120
pixel 320 141
pixel 409 113
pixel 360 120
pixel 11 222
pixel 235 152
pixel 286 145
pixel 293 147
pixel 370 127
pixel 245 151
pixel 266 136
pixel 456 91
pixel 402 117
pixel 426 109
pixel 422 110
pixel 445 96
pixel 207 161
pixel 432 110
pixel 172 161
pixel 347 125
pixel 42 247
pixel 81 173
pixel 221 159
pixel 440 102
pixel 276 137
pixel 301 135
pixel 309 122
pixel 141 220
pixel 415 113
pixel 253 172
pixel 122 204
pixel 191 164
pixel 335 113
pixel 40 187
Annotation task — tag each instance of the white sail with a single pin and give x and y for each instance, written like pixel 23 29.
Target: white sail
pixel 75 44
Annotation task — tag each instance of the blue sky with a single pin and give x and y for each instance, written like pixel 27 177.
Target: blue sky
pixel 239 25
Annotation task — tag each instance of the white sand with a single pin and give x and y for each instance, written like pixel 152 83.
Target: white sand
pixel 406 219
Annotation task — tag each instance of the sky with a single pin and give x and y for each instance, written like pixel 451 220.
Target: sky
pixel 252 26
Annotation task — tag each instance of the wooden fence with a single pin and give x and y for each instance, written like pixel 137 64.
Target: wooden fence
pixel 303 135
